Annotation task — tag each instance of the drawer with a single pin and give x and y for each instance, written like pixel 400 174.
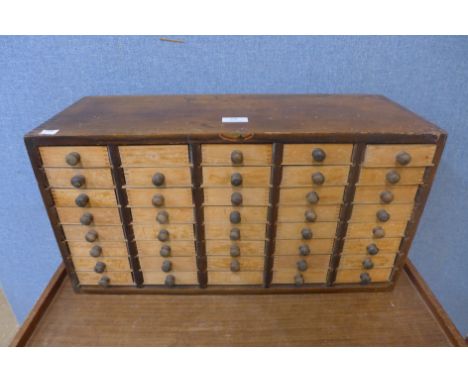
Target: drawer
pixel 179 264
pixel 235 278
pixel 290 262
pixel 176 231
pixel 364 230
pixel 373 176
pixel 113 264
pixel 218 231
pixel 97 198
pixel 354 275
pixel 301 176
pixel 250 196
pixel 298 196
pixel 108 248
pixel 248 214
pixel 153 156
pixel 115 278
pixel 371 194
pixel 176 215
pixel 223 263
pixel 302 153
pixel 368 212
pixel 316 246
pixel 174 197
pixel 359 246
pixel 386 155
pixel 381 260
pixel 105 233
pixel 297 214
pixel 90 178
pixel 96 156
pixel 309 277
pixel 143 177
pixel 181 278
pixel 293 230
pixel 100 216
pixel 252 154
pixel 251 176
pixel 153 247
pixel 222 247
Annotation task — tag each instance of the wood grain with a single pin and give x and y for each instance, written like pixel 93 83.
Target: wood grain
pixel 364 230
pixel 291 247
pixel 376 176
pixel 173 197
pixel 142 177
pixel 301 154
pixel 301 176
pixel 179 264
pixel 298 196
pixel 310 276
pixel 181 278
pixel 94 178
pixel 247 248
pixel 235 278
pixel 113 264
pixel 109 248
pixel 385 155
pixel 358 246
pixel 293 230
pixel 223 263
pixel 290 262
pixel 353 275
pixel 248 231
pixel 148 215
pixel 153 156
pixel 221 154
pixel 116 278
pixel 371 194
pixel 105 233
pixel 297 214
pixel 221 176
pixel 176 231
pixel 250 196
pixel 101 216
pixel 368 212
pixel 178 248
pixel 254 214
pixel 97 198
pixel 381 260
pixel 89 156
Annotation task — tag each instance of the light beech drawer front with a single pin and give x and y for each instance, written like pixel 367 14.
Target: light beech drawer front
pixel 248 214
pixel 154 156
pixel 176 231
pixel 97 198
pixel 173 197
pixel 386 155
pixel 359 246
pixel 298 196
pixel 250 196
pixel 223 263
pixel 374 176
pixel 113 264
pixel 101 216
pixel 364 230
pixel 222 247
pixel 90 178
pixel 297 214
pixel 251 176
pixel 115 278
pixel 179 264
pixel 381 260
pixel 368 212
pixel 293 230
pixel 235 278
pixel 309 276
pixel 252 154
pixel 302 154
pixel 354 275
pixel 104 233
pixel 176 215
pixel 316 246
pixel 290 262
pixel 153 248
pixel 108 249
pixel 300 176
pixel 143 177
pixel 216 231
pixel 181 278
pixel 88 156
pixel 371 194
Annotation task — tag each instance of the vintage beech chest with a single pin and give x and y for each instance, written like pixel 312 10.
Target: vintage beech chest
pixel 241 193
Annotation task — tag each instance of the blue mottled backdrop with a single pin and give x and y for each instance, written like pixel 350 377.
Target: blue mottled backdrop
pixel 39 76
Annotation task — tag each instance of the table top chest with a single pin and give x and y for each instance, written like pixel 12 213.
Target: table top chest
pixel 234 193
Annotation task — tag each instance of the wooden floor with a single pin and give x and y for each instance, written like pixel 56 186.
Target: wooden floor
pixel 398 318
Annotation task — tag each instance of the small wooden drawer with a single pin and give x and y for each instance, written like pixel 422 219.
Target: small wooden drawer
pixel 153 156
pixel 176 231
pixel 371 194
pixel 223 263
pixel 96 156
pixel 115 278
pixel 113 264
pixel 301 176
pixel 173 197
pixel 143 177
pixel 302 154
pixel 364 230
pixel 100 216
pixel 298 196
pixel 222 247
pixel 381 260
pixel 359 246
pixel 108 249
pixel 293 230
pixel 386 155
pixel 251 176
pixel 252 154
pixel 179 264
pixel 235 278
pixel 250 196
pixel 354 275
pixel 105 232
pixel 148 215
pixel 316 246
pixel 181 278
pixel 216 231
pixel 297 214
pixel 368 212
pixel 97 198
pixel 247 214
pixel 153 248
pixel 90 178
pixel 290 262
pixel 309 276
pixel 374 176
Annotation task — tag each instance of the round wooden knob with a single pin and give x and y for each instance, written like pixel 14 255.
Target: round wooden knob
pixel 162 217
pixel 403 158
pixel 237 157
pixel 78 181
pixel 100 267
pixel 378 232
pixel 236 198
pixel 91 236
pixel 82 200
pixel 382 215
pixel 73 159
pixel 104 281
pixel 318 155
pixel 234 250
pixel 372 249
pixel 365 278
pixel 302 265
pixel 235 217
pixel 304 250
pixel 158 200
pixel 158 179
pixel 96 251
pixel 318 178
pixel 166 266
pixel 165 251
pixel 310 216
pixel 386 197
pixel 392 177
pixel 169 281
pixel 236 179
pixel 312 197
pixel 163 235
pixel 86 218
pixel 306 233
pixel 298 280
pixel 235 266
pixel 234 234
pixel 367 264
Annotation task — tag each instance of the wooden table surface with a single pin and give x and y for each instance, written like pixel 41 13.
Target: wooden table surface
pixel 402 317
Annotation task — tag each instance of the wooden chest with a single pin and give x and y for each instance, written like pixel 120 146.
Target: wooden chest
pixel 234 193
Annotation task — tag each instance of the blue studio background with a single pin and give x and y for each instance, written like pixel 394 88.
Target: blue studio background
pixel 39 76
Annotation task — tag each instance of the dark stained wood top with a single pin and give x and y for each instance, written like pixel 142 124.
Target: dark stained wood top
pixel 270 117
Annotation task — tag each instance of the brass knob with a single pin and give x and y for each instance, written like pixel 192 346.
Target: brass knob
pixel 91 236
pixel 100 267
pixel 165 251
pixel 96 251
pixel 372 249
pixel 162 217
pixel 312 197
pixel 237 157
pixel 169 281
pixel 236 179
pixel 304 250
pixel 367 264
pixel 235 266
pixel 82 200
pixel 392 177
pixel 234 234
pixel 378 232
pixel 166 266
pixel 235 217
pixel 73 159
pixel 365 278
pixel 163 235
pixel 382 215
pixel 86 218
pixel 310 216
pixel 158 200
pixel 78 181
pixel 158 179
pixel 298 280
pixel 234 251
pixel 302 265
pixel 104 281
pixel 318 178
pixel 403 158
pixel 236 198
pixel 306 233
pixel 318 155
pixel 386 197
